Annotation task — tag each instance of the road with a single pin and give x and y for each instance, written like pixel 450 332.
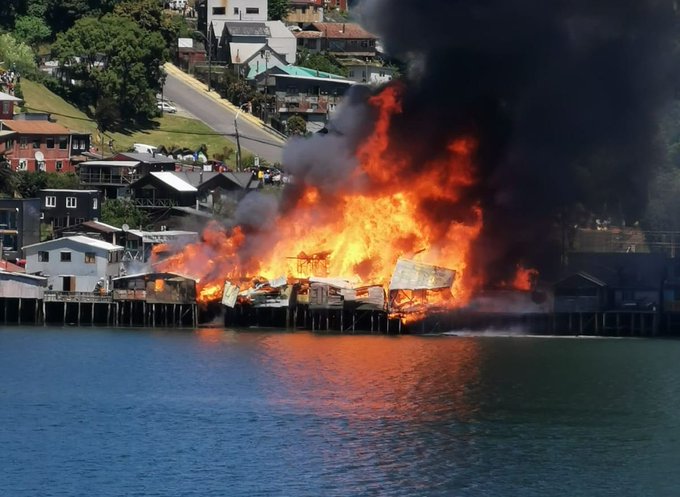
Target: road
pixel 188 96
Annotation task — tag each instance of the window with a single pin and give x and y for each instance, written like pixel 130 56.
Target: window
pixel 36 142
pixel 114 256
pixel 252 10
pixel 50 201
pixel 23 142
pixel 219 11
pixel 60 165
pixel 63 142
pixel 49 142
pixel 66 257
pixel 351 74
pixel 71 203
pixel 43 256
pixel 90 257
pixel 94 203
pixel 235 11
pixel 6 107
pixel 23 165
pixel 41 165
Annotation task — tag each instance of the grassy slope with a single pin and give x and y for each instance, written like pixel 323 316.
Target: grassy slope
pixel 171 130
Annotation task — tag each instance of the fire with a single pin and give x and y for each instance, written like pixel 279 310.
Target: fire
pixel 392 207
pixel 525 278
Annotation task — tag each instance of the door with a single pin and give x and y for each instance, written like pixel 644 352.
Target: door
pixel 69 284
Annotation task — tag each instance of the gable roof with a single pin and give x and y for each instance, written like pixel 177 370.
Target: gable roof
pixel 174 181
pixel 240 28
pixel 306 71
pixel 142 157
pixel 6 97
pixel 243 52
pixel 79 239
pixel 342 30
pixel 35 127
pixel 111 163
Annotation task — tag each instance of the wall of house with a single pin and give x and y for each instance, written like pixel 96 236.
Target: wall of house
pixel 55 149
pixel 6 109
pixel 305 14
pixel 368 74
pixel 86 274
pixel 13 286
pixel 25 220
pixel 63 213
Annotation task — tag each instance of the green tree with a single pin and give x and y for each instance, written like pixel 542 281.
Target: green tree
pixel 296 126
pixel 150 16
pixel 62 181
pixel 16 54
pixel 7 179
pixel 63 14
pixel 31 30
pixel 118 212
pixel 28 183
pixel 320 62
pixel 115 60
pixel 277 10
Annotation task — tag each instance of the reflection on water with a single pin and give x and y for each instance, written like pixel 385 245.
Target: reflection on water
pixel 213 412
pixel 410 380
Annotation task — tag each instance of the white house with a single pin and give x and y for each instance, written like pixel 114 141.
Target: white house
pixel 243 39
pixel 74 263
pixel 219 12
pixel 371 72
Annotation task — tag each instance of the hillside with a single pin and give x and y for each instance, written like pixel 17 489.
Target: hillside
pixel 169 130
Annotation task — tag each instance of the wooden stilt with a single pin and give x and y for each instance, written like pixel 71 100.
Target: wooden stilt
pixel 19 314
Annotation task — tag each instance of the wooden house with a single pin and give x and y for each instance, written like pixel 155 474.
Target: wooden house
pixel 75 263
pixel 158 288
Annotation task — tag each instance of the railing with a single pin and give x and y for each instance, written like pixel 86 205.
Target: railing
pixel 110 179
pixel 133 255
pixel 55 296
pixel 151 202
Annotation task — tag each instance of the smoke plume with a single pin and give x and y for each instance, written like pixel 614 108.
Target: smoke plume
pixel 562 98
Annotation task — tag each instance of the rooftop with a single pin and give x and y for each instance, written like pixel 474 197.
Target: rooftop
pixel 35 127
pixel 341 30
pixel 80 239
pixel 174 181
pixel 240 28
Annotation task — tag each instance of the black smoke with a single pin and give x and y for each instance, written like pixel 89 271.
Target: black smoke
pixel 563 97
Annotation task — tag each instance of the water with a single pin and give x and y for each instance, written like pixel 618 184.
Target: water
pixel 106 412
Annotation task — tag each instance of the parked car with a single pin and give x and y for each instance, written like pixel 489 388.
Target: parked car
pixel 166 107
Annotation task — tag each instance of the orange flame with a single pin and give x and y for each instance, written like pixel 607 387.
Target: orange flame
pixel 389 209
pixel 525 278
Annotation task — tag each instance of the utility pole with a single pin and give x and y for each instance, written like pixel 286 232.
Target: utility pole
pixel 210 37
pixel 238 140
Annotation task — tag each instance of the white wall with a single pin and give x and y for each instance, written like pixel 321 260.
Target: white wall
pixel 86 274
pixel 282 40
pixel 375 75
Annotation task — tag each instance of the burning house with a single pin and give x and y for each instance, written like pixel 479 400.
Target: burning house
pixel 461 175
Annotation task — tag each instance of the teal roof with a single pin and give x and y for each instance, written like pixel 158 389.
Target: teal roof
pixel 305 71
pixel 296 71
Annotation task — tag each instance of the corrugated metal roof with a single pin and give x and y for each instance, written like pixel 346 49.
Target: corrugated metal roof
pixel 36 127
pixel 240 28
pixel 174 181
pixel 84 240
pixel 241 52
pixel 6 97
pixel 342 30
pixel 345 81
pixel 143 157
pixel 114 163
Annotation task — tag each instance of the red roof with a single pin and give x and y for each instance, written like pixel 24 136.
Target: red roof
pixel 9 267
pixel 35 127
pixel 342 30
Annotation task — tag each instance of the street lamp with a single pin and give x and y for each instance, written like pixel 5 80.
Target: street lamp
pixel 208 43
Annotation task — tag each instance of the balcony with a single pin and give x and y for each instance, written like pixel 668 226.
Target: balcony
pixel 153 203
pixel 103 178
pixel 89 297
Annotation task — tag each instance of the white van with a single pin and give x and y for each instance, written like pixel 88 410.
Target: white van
pixel 143 148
